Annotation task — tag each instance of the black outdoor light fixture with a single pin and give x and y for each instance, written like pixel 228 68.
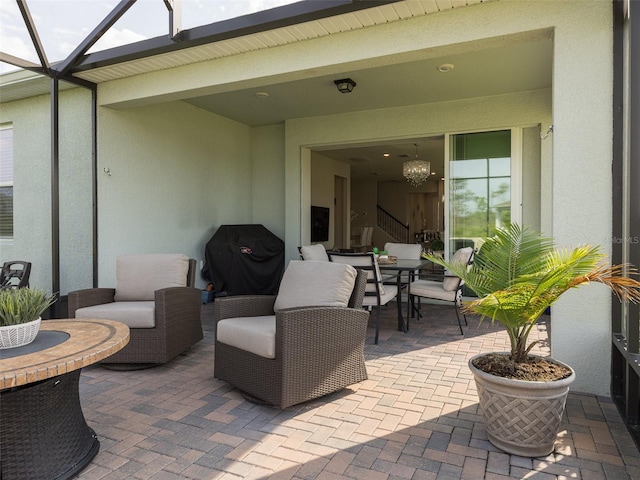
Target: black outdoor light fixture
pixel 345 85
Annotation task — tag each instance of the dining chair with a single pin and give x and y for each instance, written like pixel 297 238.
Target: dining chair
pixel 376 293
pixel 15 274
pixel 313 252
pixel 365 239
pixel 448 289
pixel 411 251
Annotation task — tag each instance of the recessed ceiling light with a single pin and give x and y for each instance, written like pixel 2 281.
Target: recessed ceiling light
pixel 262 94
pixel 385 154
pixel 446 67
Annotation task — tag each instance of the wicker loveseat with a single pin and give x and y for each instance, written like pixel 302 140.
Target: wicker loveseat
pixel 155 296
pixel 304 343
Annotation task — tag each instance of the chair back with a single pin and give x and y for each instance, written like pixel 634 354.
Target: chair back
pixel 313 252
pixel 410 251
pixel 15 274
pixel 364 262
pixel 139 276
pixel 367 236
pixel 462 256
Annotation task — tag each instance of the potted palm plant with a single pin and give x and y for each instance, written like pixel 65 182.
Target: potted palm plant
pixel 20 315
pixel 517 275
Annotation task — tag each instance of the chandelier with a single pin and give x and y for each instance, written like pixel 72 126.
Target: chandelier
pixel 416 171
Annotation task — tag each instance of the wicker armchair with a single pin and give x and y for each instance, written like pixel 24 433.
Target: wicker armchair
pixel 156 298
pixel 317 349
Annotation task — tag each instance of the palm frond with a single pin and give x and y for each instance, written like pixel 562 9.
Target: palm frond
pixel 518 273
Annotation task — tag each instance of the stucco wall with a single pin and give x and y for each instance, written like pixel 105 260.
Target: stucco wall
pixel 580 143
pixel 267 181
pixel 177 173
pixel 31 120
pixel 582 200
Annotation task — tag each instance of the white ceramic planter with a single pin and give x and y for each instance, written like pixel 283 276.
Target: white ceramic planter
pixel 522 417
pixel 13 336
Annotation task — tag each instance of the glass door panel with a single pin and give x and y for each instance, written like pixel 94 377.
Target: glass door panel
pixel 480 186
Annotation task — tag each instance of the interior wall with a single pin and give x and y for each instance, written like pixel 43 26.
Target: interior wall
pixel 323 173
pixel 176 174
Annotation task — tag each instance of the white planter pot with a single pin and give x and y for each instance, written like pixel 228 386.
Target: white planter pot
pixel 522 417
pixel 18 335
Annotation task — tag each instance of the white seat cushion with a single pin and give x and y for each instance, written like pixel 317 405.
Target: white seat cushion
pixel 432 289
pixel 314 252
pixel 315 283
pixel 139 276
pixel 389 294
pixel 133 314
pixel 251 334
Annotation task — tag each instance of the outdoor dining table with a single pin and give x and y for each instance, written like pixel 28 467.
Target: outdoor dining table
pixel 43 432
pixel 399 266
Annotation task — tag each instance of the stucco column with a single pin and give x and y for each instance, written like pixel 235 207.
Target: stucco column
pixel 582 202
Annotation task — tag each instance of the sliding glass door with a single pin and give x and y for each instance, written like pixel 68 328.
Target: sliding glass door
pixel 483 186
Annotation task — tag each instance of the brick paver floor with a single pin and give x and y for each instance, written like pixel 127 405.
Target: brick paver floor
pixel 416 417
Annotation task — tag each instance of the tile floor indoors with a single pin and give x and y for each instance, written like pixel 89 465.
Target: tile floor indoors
pixel 416 417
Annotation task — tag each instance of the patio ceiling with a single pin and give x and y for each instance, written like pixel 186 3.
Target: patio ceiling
pixel 494 67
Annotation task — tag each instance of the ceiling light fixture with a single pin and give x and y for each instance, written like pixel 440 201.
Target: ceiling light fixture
pixel 416 171
pixel 345 85
pixel 446 67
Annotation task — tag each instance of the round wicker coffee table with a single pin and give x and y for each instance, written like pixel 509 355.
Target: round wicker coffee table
pixel 44 433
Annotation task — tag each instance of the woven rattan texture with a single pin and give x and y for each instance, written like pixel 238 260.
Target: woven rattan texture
pixel 177 323
pixel 319 350
pixel 49 437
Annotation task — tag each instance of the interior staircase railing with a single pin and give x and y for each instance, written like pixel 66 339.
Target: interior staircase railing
pixel 392 226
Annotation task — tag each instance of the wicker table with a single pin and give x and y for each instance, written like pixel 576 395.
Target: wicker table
pixel 44 434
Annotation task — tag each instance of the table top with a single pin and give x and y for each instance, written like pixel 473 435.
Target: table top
pixel 90 340
pixel 402 264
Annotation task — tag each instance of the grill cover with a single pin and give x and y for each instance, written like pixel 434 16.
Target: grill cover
pixel 244 260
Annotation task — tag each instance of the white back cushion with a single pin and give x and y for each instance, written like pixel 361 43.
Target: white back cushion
pixel 315 283
pixel 462 256
pixel 314 252
pixel 403 250
pixel 139 276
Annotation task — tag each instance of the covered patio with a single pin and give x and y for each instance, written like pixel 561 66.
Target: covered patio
pixel 415 417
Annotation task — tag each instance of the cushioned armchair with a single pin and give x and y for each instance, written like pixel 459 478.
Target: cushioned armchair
pixel 155 297
pixel 305 342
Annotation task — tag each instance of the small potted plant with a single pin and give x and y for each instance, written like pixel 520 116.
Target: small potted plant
pixel 437 247
pixel 518 274
pixel 20 315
